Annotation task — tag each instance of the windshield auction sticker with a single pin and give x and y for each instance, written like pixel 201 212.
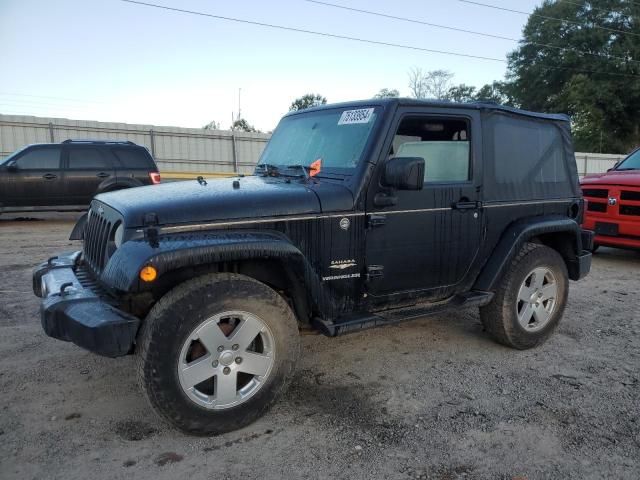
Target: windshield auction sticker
pixel 362 115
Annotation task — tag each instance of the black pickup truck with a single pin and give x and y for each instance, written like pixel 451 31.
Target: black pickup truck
pixel 359 214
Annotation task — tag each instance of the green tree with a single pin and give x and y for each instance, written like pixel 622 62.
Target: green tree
pixel 462 93
pixel 387 93
pixel 242 125
pixel 212 125
pixel 588 68
pixel 307 101
pixel 497 92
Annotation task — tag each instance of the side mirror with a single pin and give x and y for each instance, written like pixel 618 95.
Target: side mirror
pixel 11 166
pixel 404 173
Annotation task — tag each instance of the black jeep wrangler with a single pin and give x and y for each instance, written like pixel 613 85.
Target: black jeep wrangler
pixel 359 215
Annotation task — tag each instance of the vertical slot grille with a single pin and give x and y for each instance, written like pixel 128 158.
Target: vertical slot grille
pixel 630 195
pixel 96 239
pixel 595 192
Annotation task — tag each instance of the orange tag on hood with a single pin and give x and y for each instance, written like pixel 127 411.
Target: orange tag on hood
pixel 315 167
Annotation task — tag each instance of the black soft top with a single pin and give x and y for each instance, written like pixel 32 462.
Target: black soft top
pixel 525 155
pixel 404 102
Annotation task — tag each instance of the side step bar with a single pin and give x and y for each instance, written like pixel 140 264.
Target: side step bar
pixel 388 317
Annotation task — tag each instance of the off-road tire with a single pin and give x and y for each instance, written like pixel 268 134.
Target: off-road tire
pixel 175 316
pixel 499 317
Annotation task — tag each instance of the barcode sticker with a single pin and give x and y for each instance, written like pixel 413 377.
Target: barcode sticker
pixel 362 115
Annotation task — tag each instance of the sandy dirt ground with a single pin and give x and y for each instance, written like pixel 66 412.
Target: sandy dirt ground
pixel 433 398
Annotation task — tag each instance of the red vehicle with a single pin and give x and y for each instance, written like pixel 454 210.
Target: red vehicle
pixel 613 204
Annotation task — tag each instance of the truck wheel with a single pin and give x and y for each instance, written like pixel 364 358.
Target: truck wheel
pixel 216 351
pixel 530 299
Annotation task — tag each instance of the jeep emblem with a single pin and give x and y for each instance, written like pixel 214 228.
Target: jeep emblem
pixel 613 201
pixel 345 223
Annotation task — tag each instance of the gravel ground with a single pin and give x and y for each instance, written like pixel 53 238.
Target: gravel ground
pixel 432 398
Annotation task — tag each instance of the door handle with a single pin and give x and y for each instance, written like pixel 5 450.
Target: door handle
pixel 102 175
pixel 49 176
pixel 465 205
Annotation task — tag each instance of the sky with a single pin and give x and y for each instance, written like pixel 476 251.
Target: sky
pixel 119 62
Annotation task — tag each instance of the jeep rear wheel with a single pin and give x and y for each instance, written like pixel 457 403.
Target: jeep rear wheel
pixel 216 351
pixel 530 299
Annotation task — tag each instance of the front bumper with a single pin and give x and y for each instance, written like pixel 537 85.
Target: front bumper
pixel 76 314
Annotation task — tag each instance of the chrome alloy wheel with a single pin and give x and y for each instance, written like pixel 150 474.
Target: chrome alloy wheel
pixel 537 299
pixel 226 360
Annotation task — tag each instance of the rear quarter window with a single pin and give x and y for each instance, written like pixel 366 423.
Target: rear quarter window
pixel 529 151
pixel 134 158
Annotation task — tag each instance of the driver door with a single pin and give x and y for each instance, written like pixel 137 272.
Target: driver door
pixel 34 178
pixel 422 246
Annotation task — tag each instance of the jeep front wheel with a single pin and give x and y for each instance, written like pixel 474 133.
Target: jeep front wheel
pixel 530 299
pixel 216 351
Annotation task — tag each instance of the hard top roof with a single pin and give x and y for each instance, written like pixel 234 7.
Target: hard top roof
pixel 409 102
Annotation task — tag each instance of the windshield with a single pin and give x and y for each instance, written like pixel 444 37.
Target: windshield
pixel 336 138
pixel 12 156
pixel 632 162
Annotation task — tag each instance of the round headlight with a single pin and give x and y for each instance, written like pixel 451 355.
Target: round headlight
pixel 117 237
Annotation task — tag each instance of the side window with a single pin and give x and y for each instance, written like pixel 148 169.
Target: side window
pixel 136 158
pixel 528 151
pixel 40 159
pixel 444 143
pixel 87 158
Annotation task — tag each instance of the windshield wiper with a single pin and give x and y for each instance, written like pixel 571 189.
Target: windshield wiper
pixel 626 169
pixel 305 173
pixel 268 170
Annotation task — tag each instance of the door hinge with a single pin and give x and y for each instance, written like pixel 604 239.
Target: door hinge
pixel 374 221
pixel 374 272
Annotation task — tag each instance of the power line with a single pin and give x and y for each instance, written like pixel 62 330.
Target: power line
pixel 356 39
pixel 52 98
pixel 46 112
pixel 21 103
pixel 456 29
pixel 312 32
pixel 591 7
pixel 496 7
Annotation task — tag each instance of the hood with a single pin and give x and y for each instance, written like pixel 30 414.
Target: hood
pixel 189 202
pixel 628 178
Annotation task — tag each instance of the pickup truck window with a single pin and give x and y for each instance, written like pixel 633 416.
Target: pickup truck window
pixel 337 137
pixel 632 162
pixel 40 159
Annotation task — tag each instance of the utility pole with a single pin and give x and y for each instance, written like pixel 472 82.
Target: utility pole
pixel 239 109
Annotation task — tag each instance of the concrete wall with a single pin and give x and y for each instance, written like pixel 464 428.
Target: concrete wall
pixel 595 162
pixel 182 150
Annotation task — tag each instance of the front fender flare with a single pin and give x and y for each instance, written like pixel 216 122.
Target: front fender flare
pixel 78 229
pixel 172 252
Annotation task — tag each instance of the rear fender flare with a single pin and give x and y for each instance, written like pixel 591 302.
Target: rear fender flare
pixel 116 183
pixel 513 239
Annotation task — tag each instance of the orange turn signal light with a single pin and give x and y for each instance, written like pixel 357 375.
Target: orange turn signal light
pixel 148 273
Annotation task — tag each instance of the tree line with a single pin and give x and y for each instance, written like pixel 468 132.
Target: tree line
pixel 579 58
